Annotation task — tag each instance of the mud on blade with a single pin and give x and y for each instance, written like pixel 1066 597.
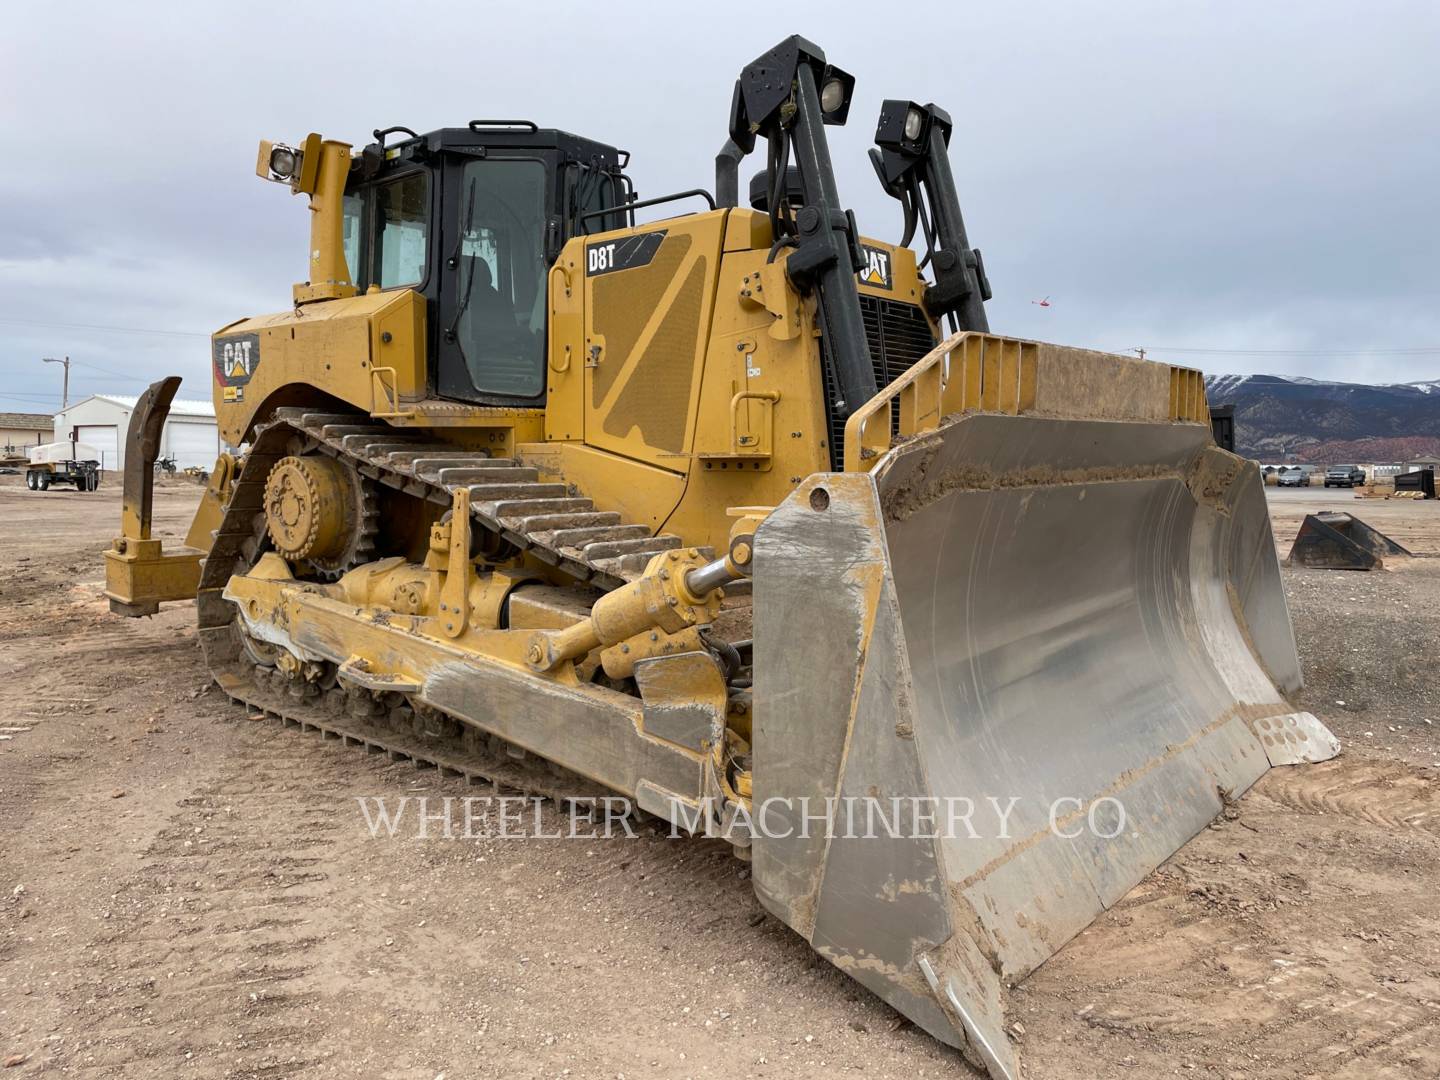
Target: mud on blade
pixel 1025 659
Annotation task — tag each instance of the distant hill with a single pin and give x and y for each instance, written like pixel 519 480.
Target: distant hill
pixel 1329 422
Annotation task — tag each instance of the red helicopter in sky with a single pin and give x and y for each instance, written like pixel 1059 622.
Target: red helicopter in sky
pixel 1041 303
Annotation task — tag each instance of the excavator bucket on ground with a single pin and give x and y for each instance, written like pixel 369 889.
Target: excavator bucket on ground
pixel 1332 540
pixel 1055 642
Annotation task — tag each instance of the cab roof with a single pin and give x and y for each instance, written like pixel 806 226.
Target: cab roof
pixel 481 135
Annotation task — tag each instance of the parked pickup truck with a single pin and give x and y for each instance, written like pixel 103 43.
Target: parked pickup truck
pixel 1344 476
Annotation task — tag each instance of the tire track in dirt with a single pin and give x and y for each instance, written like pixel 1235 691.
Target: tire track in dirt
pixel 215 941
pixel 112 656
pixel 1286 950
pixel 1235 1003
pixel 1389 794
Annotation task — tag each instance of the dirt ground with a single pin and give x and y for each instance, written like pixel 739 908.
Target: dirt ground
pixel 187 893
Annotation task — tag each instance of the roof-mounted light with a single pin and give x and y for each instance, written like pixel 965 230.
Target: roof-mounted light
pixel 914 124
pixel 905 126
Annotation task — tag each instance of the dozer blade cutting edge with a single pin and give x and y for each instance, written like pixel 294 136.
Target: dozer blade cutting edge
pixel 1002 677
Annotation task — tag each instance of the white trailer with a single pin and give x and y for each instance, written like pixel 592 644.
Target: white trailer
pixel 63 463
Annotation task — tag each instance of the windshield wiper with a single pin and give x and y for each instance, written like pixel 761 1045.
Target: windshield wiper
pixel 469 286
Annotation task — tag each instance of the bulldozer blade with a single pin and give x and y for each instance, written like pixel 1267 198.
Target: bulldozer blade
pixel 1331 540
pixel 998 680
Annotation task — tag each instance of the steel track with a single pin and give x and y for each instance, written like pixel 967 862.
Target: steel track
pixel 546 520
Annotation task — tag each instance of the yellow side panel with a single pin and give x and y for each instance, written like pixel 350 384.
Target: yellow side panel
pixel 648 298
pixel 338 347
pixel 565 377
pixel 761 425
pixel 904 282
pixel 747 230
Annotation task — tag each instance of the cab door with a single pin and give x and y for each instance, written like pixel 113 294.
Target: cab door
pixel 491 339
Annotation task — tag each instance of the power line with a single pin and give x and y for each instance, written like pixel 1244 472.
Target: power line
pixel 107 371
pixel 108 329
pixel 1418 350
pixel 110 375
pixel 115 379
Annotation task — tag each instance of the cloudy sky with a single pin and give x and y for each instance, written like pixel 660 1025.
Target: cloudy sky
pixel 1256 179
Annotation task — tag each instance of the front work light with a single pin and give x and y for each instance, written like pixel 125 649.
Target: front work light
pixel 292 165
pixel 283 160
pixel 914 124
pixel 905 127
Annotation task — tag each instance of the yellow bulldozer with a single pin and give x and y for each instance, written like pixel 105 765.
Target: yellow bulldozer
pixel 742 516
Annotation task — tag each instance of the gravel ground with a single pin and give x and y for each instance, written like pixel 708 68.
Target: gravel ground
pixel 1369 642
pixel 184 892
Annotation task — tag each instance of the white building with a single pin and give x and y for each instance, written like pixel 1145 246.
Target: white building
pixel 191 436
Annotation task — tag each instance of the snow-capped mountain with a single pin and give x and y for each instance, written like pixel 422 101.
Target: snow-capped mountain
pixel 1283 414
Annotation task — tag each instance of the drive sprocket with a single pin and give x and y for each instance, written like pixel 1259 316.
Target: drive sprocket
pixel 321 514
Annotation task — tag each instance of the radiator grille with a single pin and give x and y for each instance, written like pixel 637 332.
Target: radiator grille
pixel 898 337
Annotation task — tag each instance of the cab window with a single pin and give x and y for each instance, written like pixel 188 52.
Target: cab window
pixel 352 218
pixel 402 220
pixel 498 321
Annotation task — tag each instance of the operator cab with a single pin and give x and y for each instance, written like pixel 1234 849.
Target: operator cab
pixel 473 218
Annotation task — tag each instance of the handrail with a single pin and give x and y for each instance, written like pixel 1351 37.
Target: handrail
pixel 501 125
pixel 770 396
pixel 380 133
pixel 629 208
pixel 392 408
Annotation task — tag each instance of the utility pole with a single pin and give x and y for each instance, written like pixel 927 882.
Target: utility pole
pixel 1140 352
pixel 65 391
